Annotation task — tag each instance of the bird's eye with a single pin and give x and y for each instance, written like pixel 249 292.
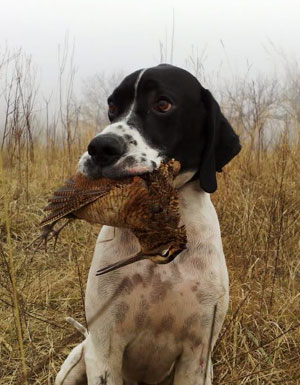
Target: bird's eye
pixel 112 108
pixel 162 105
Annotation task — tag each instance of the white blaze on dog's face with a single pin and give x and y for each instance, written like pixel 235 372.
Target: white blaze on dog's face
pixel 123 139
pixel 158 114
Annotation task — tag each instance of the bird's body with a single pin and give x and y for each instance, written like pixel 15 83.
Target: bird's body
pixel 143 204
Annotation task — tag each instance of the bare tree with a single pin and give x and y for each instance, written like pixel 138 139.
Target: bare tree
pixel 19 97
pixel 69 109
pixel 291 96
pixel 252 105
pixel 96 90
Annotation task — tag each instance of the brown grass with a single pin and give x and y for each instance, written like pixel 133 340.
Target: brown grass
pixel 258 207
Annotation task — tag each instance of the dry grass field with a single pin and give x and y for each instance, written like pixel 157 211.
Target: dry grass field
pixel 258 205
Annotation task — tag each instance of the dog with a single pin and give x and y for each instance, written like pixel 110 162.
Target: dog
pixel 149 323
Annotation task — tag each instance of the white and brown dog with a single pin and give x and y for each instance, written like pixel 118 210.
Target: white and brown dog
pixel 147 323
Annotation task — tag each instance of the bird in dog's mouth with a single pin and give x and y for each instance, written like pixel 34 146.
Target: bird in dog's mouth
pixel 146 204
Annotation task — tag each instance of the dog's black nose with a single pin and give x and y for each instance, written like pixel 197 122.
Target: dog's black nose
pixel 106 149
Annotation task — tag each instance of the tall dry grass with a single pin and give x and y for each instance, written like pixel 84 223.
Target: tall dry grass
pixel 259 215
pixel 258 205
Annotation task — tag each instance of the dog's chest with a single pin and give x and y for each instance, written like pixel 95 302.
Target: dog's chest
pixel 152 313
pixel 160 297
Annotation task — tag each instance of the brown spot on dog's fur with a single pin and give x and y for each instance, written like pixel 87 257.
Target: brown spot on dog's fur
pixel 121 310
pixel 188 325
pixel 140 320
pixel 137 279
pixel 197 341
pixel 125 287
pixel 190 328
pixel 150 271
pixel 144 304
pixel 175 271
pixel 191 320
pixel 205 320
pixel 198 263
pixel 160 289
pixel 166 322
pixel 192 337
pixel 205 297
pixel 142 314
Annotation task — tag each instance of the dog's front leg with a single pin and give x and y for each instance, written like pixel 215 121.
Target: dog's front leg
pixel 73 370
pixel 103 363
pixel 190 371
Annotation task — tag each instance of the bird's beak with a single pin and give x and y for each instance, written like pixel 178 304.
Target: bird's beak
pixel 158 259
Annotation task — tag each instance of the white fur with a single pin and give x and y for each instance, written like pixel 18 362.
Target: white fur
pixel 138 151
pixel 198 281
pixel 137 146
pixel 81 164
pixel 131 109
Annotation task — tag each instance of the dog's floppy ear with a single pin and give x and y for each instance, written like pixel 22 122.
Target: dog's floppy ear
pixel 221 143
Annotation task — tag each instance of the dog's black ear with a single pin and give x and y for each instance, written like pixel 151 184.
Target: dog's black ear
pixel 221 143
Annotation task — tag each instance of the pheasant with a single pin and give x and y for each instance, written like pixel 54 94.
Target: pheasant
pixel 147 205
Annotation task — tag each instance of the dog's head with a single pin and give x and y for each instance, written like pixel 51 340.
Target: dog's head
pixel 157 114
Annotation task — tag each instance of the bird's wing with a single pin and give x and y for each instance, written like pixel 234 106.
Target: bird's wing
pixel 77 193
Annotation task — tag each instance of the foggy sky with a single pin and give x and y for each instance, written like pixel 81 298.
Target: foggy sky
pixel 124 34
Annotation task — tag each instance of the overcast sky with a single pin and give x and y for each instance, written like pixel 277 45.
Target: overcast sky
pixel 124 34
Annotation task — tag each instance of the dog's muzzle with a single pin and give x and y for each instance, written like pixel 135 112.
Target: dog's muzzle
pixel 106 149
pixel 117 156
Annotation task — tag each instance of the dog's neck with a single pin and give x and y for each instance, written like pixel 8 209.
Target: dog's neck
pixel 183 178
pixel 196 208
pixel 197 212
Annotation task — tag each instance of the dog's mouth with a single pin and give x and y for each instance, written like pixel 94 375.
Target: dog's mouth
pixel 125 167
pixel 119 171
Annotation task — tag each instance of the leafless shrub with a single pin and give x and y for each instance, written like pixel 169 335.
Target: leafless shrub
pixel 69 109
pixel 96 90
pixel 291 97
pixel 18 100
pixel 195 63
pixel 254 107
pixel 19 96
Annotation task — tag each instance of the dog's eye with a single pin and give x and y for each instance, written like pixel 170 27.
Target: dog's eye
pixel 112 108
pixel 163 105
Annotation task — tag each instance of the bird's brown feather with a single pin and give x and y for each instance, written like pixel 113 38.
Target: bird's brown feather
pixel 147 205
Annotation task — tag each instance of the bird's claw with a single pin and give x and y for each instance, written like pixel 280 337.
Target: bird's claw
pixel 47 234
